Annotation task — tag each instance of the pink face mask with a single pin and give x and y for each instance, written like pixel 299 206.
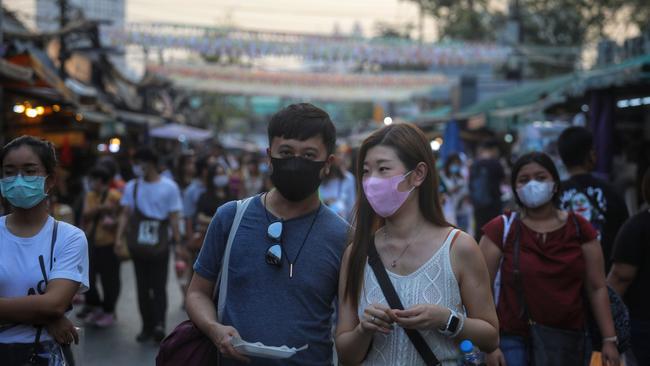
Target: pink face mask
pixel 383 195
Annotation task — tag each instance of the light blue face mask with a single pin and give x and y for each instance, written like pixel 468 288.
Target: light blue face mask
pixel 22 193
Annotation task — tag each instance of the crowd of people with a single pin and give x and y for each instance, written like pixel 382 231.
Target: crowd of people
pixel 392 262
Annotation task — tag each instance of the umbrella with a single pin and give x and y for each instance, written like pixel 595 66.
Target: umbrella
pixel 175 131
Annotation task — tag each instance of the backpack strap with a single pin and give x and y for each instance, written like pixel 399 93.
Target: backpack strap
pixel 135 197
pixel 222 280
pixel 507 224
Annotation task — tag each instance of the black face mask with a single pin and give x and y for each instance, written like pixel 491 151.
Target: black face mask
pixel 296 178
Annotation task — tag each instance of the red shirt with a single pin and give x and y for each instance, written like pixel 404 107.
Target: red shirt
pixel 552 273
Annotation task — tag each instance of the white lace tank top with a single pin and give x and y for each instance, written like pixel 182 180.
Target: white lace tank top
pixel 433 283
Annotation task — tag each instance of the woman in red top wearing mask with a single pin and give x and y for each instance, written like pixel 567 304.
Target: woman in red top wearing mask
pixel 559 258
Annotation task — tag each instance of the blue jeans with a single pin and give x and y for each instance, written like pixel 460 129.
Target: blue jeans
pixel 514 349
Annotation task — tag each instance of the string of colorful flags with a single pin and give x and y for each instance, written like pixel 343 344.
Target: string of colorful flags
pixel 316 48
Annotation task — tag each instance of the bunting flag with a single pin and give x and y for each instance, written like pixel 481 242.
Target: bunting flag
pixel 318 48
pixel 324 86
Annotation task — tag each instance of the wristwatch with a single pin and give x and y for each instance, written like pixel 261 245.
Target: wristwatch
pixel 452 324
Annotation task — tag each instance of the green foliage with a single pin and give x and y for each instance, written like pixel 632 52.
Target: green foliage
pixel 552 32
pixel 387 30
pixel 545 22
pixel 470 20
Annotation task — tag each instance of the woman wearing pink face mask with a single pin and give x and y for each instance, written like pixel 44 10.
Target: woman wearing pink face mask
pixel 436 271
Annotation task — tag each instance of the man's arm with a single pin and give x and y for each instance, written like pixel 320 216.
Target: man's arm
pixel 175 220
pixel 596 288
pixel 201 310
pixel 621 276
pixel 121 226
pixel 627 255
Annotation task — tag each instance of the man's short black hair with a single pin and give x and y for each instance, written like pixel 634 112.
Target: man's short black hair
pixel 146 155
pixel 301 122
pixel 490 144
pixel 575 145
pixel 200 165
pixel 102 173
pixel 109 163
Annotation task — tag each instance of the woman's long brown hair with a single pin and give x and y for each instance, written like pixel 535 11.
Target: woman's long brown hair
pixel 411 147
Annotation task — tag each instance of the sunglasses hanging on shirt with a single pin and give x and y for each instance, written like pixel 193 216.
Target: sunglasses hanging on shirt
pixel 274 253
pixel 274 234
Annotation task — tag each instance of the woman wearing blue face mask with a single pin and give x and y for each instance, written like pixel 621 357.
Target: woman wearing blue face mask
pixel 455 192
pixel 548 267
pixel 44 262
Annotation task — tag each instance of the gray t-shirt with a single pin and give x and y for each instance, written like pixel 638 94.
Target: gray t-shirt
pixel 263 303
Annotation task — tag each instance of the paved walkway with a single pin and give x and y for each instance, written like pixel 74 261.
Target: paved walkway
pixel 117 345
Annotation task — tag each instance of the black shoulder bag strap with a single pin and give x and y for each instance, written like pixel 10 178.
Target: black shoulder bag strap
pixel 135 198
pixel 37 340
pixel 394 302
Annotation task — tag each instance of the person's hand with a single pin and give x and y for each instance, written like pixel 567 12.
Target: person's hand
pixel 423 317
pixel 495 358
pixel 63 331
pixel 610 356
pixel 119 248
pixel 181 252
pixel 196 241
pixel 376 318
pixel 223 340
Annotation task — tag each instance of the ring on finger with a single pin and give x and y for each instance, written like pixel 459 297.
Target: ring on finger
pixel 372 320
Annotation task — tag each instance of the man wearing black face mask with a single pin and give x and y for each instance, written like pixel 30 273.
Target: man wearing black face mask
pixel 285 256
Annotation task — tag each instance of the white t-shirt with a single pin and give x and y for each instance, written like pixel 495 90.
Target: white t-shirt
pixel 20 269
pixel 155 199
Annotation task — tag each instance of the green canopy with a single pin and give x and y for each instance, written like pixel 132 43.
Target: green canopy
pixel 532 98
pixel 538 95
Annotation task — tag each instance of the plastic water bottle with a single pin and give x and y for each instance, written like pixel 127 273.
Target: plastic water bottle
pixel 471 355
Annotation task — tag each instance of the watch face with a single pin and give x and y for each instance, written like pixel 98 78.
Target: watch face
pixel 453 324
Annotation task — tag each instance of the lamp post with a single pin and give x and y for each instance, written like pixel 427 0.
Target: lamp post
pixel 63 6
